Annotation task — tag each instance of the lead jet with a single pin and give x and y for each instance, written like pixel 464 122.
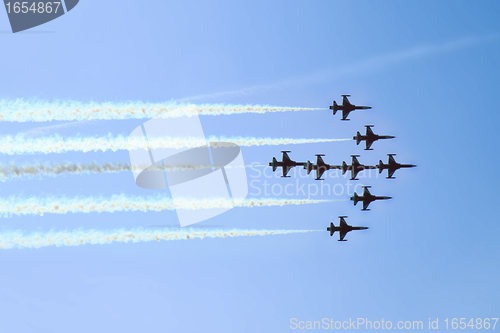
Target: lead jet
pixel 343 228
pixel 367 198
pixel 286 163
pixel 355 167
pixel 346 107
pixel 392 166
pixel 320 166
pixel 370 137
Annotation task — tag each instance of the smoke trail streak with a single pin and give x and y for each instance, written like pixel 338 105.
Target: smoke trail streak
pixel 13 171
pixel 19 144
pixel 81 237
pixel 20 110
pixel 120 203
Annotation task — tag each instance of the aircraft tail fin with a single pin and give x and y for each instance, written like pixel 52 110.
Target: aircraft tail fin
pixel 380 166
pixel 308 167
pixel 344 167
pixel 355 198
pixel 332 229
pixel 335 107
pixel 358 138
pixel 275 164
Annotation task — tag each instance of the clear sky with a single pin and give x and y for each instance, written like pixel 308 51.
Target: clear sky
pixel 430 71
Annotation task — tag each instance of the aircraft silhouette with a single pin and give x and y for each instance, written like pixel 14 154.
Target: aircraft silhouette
pixel 367 198
pixel 355 167
pixel 346 107
pixel 370 137
pixel 392 166
pixel 343 228
pixel 286 163
pixel 320 166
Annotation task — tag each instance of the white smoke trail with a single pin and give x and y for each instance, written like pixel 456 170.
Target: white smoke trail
pixel 17 239
pixel 249 141
pixel 13 171
pixel 19 144
pixel 20 110
pixel 121 203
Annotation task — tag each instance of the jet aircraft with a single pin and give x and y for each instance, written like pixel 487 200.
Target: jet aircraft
pixel 355 167
pixel 367 198
pixel 320 166
pixel 370 137
pixel 346 107
pixel 392 166
pixel 343 228
pixel 286 163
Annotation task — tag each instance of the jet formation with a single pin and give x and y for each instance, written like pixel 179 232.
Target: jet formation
pixel 355 167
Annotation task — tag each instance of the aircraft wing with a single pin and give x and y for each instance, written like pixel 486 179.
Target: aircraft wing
pixel 345 101
pixel 368 143
pixel 319 161
pixel 286 157
pixel 390 172
pixel 342 235
pixel 365 204
pixel 343 223
pixel 285 170
pixel 369 131
pixel 391 159
pixel 345 113
pixel 319 172
pixel 366 193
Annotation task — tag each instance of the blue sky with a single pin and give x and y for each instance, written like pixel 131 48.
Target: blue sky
pixel 429 69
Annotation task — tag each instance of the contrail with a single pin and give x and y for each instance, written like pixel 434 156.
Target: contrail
pixel 19 144
pixel 121 203
pixel 33 110
pixel 13 171
pixel 17 239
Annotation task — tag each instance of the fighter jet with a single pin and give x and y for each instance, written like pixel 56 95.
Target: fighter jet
pixel 320 166
pixel 355 167
pixel 370 137
pixel 346 107
pixel 367 198
pixel 343 228
pixel 392 166
pixel 286 163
